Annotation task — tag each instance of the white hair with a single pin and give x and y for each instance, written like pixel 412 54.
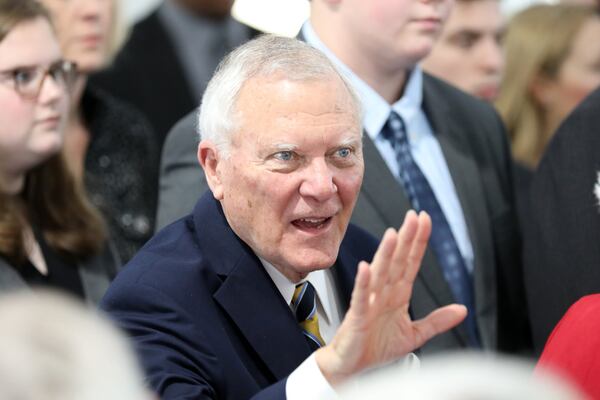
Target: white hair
pixel 53 348
pixel 461 376
pixel 265 56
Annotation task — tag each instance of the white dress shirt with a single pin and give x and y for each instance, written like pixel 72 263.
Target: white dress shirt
pixel 307 381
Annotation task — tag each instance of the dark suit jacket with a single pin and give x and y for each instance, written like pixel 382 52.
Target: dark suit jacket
pixel 182 180
pixel 474 145
pixel 148 74
pixel 207 320
pixel 562 258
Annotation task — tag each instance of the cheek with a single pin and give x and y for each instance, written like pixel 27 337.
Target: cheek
pixel 348 185
pixel 16 119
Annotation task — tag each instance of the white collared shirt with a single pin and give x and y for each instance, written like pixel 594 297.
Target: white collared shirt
pixel 328 306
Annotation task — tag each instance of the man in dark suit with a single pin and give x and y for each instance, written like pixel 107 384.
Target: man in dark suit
pixel 230 301
pixel 562 232
pixel 169 57
pixel 457 142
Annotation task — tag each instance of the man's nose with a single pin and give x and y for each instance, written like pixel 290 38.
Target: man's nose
pixel 318 181
pixel 491 56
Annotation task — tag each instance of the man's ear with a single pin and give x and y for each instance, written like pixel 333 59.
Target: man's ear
pixel 211 161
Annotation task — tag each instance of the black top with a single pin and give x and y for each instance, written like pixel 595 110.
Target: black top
pixel 562 246
pixel 121 169
pixel 62 274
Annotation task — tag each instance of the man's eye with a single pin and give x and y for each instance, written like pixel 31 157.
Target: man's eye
pixel 284 155
pixel 344 152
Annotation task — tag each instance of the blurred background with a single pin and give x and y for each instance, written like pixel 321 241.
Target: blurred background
pixel 277 16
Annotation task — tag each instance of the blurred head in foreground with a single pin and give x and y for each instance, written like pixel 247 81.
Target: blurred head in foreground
pixel 52 348
pixel 460 377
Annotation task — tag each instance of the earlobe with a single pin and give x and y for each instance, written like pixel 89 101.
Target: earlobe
pixel 208 157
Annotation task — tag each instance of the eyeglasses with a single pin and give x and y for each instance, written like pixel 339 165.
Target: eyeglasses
pixel 28 81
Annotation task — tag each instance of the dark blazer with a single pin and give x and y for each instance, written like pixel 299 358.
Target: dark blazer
pixel 562 257
pixel 474 145
pixel 205 317
pixel 148 74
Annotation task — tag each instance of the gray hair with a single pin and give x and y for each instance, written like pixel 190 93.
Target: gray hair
pixel 267 55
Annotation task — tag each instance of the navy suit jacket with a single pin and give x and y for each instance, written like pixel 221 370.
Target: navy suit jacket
pixel 206 319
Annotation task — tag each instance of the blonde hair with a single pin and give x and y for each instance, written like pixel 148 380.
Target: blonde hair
pixel 537 42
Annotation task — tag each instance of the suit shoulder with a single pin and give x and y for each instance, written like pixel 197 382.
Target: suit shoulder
pixel 184 133
pixel 171 260
pixel 458 99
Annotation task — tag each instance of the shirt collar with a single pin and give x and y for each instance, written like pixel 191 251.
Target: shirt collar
pixel 286 287
pixel 375 108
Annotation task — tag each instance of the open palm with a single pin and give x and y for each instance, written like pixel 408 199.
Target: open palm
pixel 378 328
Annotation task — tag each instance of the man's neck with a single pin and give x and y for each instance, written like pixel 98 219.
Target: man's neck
pixel 388 82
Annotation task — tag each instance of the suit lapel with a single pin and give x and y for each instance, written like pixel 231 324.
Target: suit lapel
pixel 467 179
pixel 249 296
pixel 383 190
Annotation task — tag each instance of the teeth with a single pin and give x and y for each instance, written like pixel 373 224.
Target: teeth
pixel 313 220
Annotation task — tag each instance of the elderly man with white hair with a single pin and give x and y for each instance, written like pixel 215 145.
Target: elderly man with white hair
pixel 265 290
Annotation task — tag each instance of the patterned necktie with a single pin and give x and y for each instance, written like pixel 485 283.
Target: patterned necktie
pixel 305 310
pixel 442 240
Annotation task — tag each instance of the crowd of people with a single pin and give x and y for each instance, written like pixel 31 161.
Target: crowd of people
pixel 270 217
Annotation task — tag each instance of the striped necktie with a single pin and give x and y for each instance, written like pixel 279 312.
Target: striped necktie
pixel 304 307
pixel 442 240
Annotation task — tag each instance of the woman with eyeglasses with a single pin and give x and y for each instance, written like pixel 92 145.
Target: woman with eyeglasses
pixel 109 145
pixel 50 235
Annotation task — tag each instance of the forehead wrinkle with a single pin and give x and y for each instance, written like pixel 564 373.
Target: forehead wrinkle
pixel 317 118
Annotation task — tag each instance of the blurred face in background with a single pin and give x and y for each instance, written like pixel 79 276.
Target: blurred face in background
pixel 393 34
pixel 84 29
pixel 33 103
pixel 468 53
pixel 578 75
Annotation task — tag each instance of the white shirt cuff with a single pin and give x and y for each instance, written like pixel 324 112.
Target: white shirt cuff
pixel 307 382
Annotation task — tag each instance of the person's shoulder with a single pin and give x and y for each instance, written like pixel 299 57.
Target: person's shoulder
pixel 184 131
pixel 100 106
pixel 171 255
pixel 456 99
pixel 147 29
pixel 579 127
pixel 358 243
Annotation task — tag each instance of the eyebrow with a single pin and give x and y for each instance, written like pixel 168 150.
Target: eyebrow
pixel 285 146
pixel 32 66
pixel 351 141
